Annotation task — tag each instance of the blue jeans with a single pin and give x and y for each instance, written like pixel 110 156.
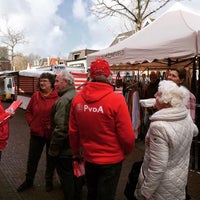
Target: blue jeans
pixel 102 180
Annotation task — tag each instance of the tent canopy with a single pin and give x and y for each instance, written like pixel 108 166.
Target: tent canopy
pixel 175 34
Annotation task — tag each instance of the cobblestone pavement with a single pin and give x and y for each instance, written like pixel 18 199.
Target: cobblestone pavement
pixel 13 166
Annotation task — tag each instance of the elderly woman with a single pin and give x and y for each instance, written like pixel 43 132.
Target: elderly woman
pixel 164 171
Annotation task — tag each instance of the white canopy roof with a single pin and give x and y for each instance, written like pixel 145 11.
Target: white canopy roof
pixel 175 34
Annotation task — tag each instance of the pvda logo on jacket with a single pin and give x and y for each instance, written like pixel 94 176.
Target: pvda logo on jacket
pixel 87 108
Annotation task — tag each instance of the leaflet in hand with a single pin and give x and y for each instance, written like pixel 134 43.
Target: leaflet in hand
pixel 13 107
pixel 10 110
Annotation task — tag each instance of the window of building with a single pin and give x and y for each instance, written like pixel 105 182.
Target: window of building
pixel 76 56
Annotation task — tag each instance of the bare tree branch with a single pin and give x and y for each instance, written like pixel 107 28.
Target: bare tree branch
pixel 135 12
pixel 11 39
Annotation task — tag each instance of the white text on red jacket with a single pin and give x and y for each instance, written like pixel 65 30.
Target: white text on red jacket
pixel 93 109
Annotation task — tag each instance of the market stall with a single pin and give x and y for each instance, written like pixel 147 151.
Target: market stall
pixel 171 40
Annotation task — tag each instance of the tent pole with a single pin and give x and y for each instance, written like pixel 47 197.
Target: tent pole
pixel 198 83
pixel 169 63
pixel 195 150
pixel 194 158
pixel 194 82
pixel 198 114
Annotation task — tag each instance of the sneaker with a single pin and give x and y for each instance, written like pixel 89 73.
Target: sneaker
pixel 49 186
pixel 25 185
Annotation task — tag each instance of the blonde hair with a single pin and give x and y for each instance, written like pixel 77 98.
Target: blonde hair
pixel 171 93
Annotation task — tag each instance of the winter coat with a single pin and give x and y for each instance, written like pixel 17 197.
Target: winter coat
pixel 4 130
pixel 38 113
pixel 164 171
pixel 100 124
pixel 59 145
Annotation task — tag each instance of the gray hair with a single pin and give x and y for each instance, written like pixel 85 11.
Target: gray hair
pixel 102 78
pixel 176 96
pixel 67 76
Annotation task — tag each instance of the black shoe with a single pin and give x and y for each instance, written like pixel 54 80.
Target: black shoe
pixel 25 185
pixel 49 186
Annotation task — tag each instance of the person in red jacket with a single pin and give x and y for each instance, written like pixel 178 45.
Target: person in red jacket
pixel 4 129
pixel 5 115
pixel 38 116
pixel 100 126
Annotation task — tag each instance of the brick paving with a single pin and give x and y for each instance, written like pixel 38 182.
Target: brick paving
pixel 13 166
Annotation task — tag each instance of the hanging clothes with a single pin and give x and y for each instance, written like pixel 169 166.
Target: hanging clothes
pixel 132 99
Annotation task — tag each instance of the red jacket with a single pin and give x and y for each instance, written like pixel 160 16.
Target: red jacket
pixel 4 130
pixel 101 124
pixel 38 113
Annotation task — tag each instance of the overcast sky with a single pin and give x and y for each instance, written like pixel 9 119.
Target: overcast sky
pixel 57 27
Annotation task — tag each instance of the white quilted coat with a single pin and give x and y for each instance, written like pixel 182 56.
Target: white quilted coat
pixel 164 171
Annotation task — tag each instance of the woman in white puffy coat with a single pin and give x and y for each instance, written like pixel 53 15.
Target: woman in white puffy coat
pixel 164 172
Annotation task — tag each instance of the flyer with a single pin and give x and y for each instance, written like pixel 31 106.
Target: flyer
pixel 13 107
pixel 10 110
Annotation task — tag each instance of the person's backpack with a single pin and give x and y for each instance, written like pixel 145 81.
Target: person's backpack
pixel 132 181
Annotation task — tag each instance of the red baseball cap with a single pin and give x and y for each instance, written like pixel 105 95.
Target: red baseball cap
pixel 99 67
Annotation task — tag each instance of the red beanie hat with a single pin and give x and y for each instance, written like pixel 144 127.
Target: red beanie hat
pixel 99 67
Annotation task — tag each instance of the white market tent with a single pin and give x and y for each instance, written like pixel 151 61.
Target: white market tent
pixel 174 35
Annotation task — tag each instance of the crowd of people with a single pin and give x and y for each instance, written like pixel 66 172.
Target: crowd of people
pixel 95 126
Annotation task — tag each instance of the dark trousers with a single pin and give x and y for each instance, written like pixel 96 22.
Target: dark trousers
pixel 71 186
pixel 0 155
pixel 35 151
pixel 102 180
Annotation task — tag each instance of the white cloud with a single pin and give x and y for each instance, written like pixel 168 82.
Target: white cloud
pixel 39 22
pixel 96 33
pixel 79 9
pixel 103 31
